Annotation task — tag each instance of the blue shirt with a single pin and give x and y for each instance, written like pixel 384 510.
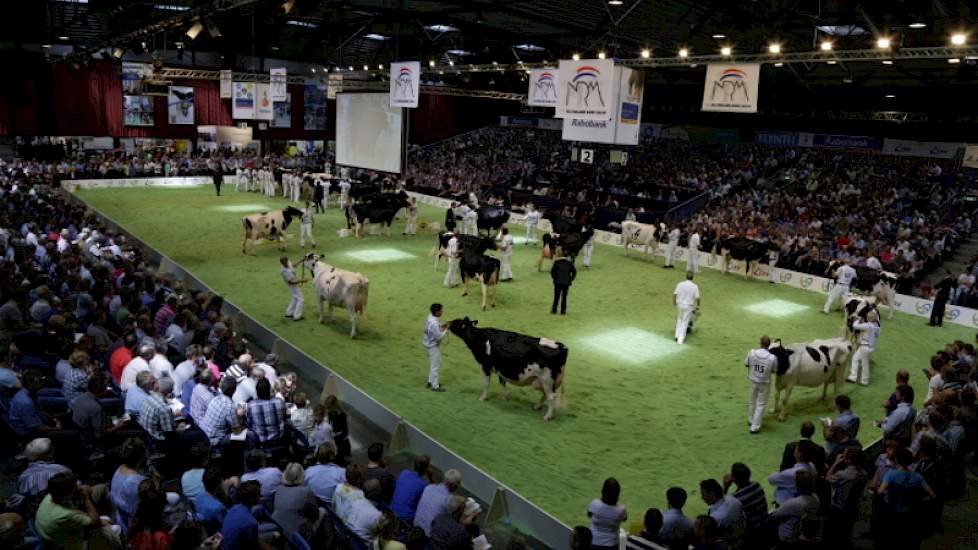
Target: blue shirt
pixel 407 493
pixel 899 422
pixel 209 509
pixel 24 415
pixel 134 400
pixel 433 502
pixel 850 421
pixel 268 477
pixel 676 527
pixel 124 491
pixel 323 479
pixel 192 483
pixel 239 529
pixel 901 488
pixel 784 482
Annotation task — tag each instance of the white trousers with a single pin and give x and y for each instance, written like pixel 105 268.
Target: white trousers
pixel 470 228
pixel 451 277
pixel 295 305
pixel 693 260
pixel 305 232
pixel 411 225
pixel 670 253
pixel 588 251
pixel 860 359
pixel 531 232
pixel 237 182
pixel 505 269
pixel 434 363
pixel 837 293
pixel 296 189
pixel 772 274
pixel 758 403
pixel 682 322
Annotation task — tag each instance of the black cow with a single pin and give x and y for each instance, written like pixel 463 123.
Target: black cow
pixel 474 264
pixel 381 208
pixel 360 191
pixel 743 249
pixel 491 218
pixel 566 244
pixel 517 358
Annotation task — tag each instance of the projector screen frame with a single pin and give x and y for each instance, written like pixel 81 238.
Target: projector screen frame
pixel 405 122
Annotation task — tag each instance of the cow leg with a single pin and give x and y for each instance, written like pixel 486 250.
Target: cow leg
pixel 244 245
pixel 353 322
pixel 465 286
pixel 547 390
pixel 482 283
pixel 320 309
pixel 485 387
pixel 825 389
pixel 329 310
pixel 784 403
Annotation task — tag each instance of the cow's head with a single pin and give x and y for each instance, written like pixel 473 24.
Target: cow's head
pixel 289 213
pixel 310 260
pixel 463 328
pixel 783 355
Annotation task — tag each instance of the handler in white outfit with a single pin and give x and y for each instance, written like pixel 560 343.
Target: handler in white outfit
pixel 288 275
pixel 532 219
pixel 671 246
pixel 434 333
pixel 344 192
pixel 869 332
pixel 471 221
pixel 773 256
pixel 296 187
pixel 305 226
pixel 452 252
pixel 760 365
pixel 588 251
pixel 505 254
pixel 686 298
pixel 693 254
pixel 843 278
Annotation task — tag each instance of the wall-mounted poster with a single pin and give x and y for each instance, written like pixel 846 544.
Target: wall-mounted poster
pixel 283 113
pixel 314 114
pixel 226 84
pixel 263 101
pixel 137 110
pixel 180 106
pixel 243 103
pixel 135 76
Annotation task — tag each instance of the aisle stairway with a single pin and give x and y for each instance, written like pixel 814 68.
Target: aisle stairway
pixel 960 260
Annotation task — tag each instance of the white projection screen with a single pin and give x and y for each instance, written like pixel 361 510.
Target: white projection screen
pixel 369 132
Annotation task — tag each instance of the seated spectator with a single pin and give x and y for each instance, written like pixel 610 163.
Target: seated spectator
pixel 448 528
pixel 155 415
pixel 247 379
pixel 138 393
pixel 364 515
pixel 33 482
pixel 192 481
pixel 322 430
pixel 325 475
pixel 386 529
pixel 751 497
pixel 148 530
pixel 67 517
pixel 209 504
pixel 221 419
pixel 409 487
pixel 269 477
pixel 25 417
pixel 75 381
pixel 13 533
pixel 201 395
pixel 124 487
pixel 348 492
pixel 268 366
pixel 789 515
pixel 377 470
pixel 784 481
pixel 606 515
pixel 677 529
pixel 705 534
pixel 292 501
pixel 301 416
pixel 240 528
pixel 434 498
pixel 185 371
pixel 725 509
pixel 159 365
pixel 266 414
pixel 651 527
pixel 138 364
pixel 338 424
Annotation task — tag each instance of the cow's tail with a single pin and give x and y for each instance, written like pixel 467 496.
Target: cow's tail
pixel 360 299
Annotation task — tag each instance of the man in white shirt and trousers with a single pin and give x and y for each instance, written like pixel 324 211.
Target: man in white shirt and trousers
pixel 588 251
pixel 532 220
pixel 238 178
pixel 505 253
pixel 452 252
pixel 296 187
pixel 288 275
pixel 844 274
pixel 305 226
pixel 434 334
pixel 344 191
pixel 686 298
pixel 869 333
pixel 671 246
pixel 760 365
pixel 693 252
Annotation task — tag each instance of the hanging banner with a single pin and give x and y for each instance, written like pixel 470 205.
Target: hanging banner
pixel 137 110
pixel 631 89
pixel 543 88
pixel 263 102
pixel 226 85
pixel 929 149
pixel 525 122
pixel 847 142
pixel 971 156
pixel 135 76
pixel 283 113
pixel 405 84
pixel 314 107
pixel 335 85
pixel 586 89
pixel 243 104
pixel 731 88
pixel 278 82
pixel 180 105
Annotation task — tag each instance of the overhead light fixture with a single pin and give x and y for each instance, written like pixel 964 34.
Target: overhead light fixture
pixel 601 55
pixel 459 52
pixel 380 66
pixel 375 36
pixel 366 67
pixel 451 63
pixel 887 61
pixel 615 2
pixel 779 64
pixel 441 28
pixel 774 48
pixel 726 50
pixel 431 62
pixel 959 39
pixel 883 43
pixel 297 23
pixel 576 57
pixel 954 60
pixel 826 46
pixel 831 62
pixel 496 63
pixel 350 67
pixel 917 25
pixel 212 29
pixel 683 52
pixel 288 6
pixel 719 36
pixel 889 96
pixel 170 7
pixel 646 54
pixel 117 53
pixel 194 30
pixel 45 46
pixel 64 37
pixel 314 70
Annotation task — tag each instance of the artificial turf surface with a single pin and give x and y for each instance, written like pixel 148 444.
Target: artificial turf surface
pixel 640 407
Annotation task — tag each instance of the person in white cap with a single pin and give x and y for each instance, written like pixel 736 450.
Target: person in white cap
pixel 686 298
pixel 844 274
pixel 868 332
pixel 760 365
pixel 451 277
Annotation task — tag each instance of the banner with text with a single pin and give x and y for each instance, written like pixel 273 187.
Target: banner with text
pixel 278 81
pixel 847 142
pixel 526 122
pixel 971 156
pixel 180 105
pixel 586 89
pixel 731 88
pixel 283 113
pixel 542 91
pixel 227 87
pixel 929 149
pixel 243 104
pixel 405 84
pixel 135 76
pixel 783 139
pixel 625 127
pixel 263 102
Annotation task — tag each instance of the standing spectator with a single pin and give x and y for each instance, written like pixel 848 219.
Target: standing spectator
pixel 848 420
pixel 606 516
pixel 901 489
pixel 847 478
pixel 434 498
pixel 784 481
pixel 322 431
pixel 899 424
pixel 376 469
pixel 942 293
pixel 409 487
pixel 752 500
pixel 563 273
pixel 341 432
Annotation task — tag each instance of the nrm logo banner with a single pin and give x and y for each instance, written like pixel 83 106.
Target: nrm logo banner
pixel 404 83
pixel 730 87
pixel 544 87
pixel 584 89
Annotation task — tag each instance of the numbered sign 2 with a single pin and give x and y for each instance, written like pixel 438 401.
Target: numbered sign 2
pixel 587 156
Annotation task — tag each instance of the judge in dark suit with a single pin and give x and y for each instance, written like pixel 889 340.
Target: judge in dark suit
pixel 217 173
pixel 450 218
pixel 563 273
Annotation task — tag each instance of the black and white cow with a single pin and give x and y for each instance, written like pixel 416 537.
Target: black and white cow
pixel 642 234
pixel 880 285
pixel 857 309
pixel 441 248
pixel 517 358
pixel 810 364
pixel 360 191
pixel 474 264
pixel 379 208
pixel 267 225
pixel 491 218
pixel 743 249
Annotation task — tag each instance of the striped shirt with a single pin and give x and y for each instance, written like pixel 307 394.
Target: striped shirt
pixel 754 504
pixel 34 480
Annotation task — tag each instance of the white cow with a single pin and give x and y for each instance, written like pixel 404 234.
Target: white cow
pixel 338 287
pixel 639 233
pixel 267 225
pixel 809 364
pixel 885 293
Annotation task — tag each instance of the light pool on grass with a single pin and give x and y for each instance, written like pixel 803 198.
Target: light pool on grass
pixel 378 255
pixel 776 308
pixel 631 345
pixel 244 208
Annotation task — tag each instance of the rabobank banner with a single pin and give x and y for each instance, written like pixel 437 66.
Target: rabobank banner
pixel 625 127
pixel 529 122
pixel 847 142
pixel 928 149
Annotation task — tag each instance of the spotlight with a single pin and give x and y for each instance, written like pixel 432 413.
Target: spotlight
pixel 683 52
pixel 889 96
pixel 194 30
pixel 831 62
pixel 615 2
pixel 774 48
pixel 779 64
pixel 117 53
pixel 954 60
pixel 601 55
pixel 646 54
pixel 64 37
pixel 576 57
pixel 451 63
pixel 883 43
pixel 887 61
pixel 314 70
pixel 959 39
pixel 719 36
pixel 495 63
pixel 350 67
pixel 726 50
pixel 213 30
pixel 366 68
pixel 826 46
pixel 431 63
pixel 45 46
pixel 380 66
pixel 288 6
pixel 917 25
